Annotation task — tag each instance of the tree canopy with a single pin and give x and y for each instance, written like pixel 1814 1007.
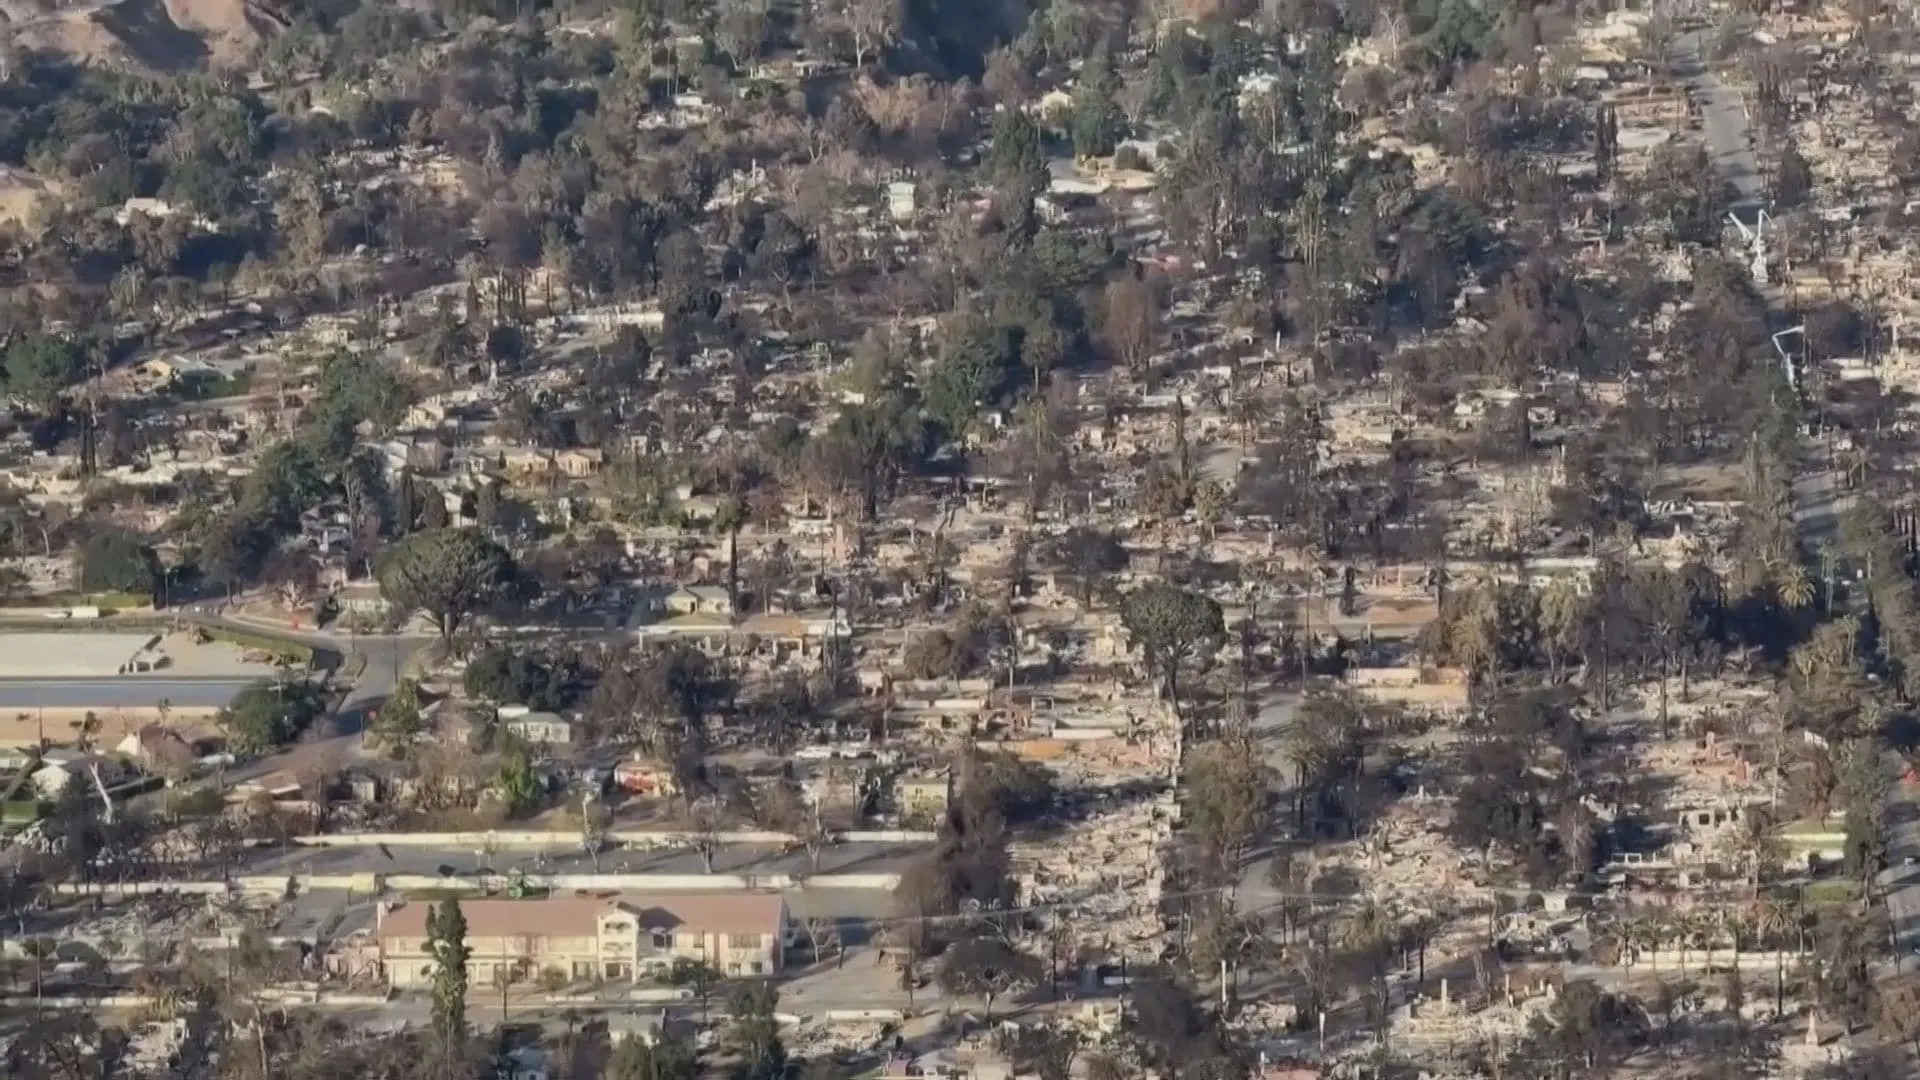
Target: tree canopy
pixel 268 715
pixel 446 574
pixel 118 561
pixel 1172 626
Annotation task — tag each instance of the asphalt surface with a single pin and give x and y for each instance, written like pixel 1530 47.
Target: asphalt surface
pixel 1723 120
pixel 730 859
pixel 1818 500
pixel 1270 727
pixel 387 657
pixel 121 692
pixel 1902 882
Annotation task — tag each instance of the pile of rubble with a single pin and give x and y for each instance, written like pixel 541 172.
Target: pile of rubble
pixel 1105 874
pixel 1406 858
pixel 1443 1021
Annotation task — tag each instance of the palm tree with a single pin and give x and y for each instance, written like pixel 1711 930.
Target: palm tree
pixel 1369 929
pixel 1307 750
pixel 1646 933
pixel 1728 923
pixel 1775 920
pixel 1689 928
pixel 1474 637
pixel 1792 585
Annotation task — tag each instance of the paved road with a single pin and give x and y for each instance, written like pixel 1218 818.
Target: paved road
pixel 731 859
pixel 1902 882
pixel 1723 120
pixel 121 691
pixel 1817 496
pixel 1271 726
pixel 1818 500
pixel 387 658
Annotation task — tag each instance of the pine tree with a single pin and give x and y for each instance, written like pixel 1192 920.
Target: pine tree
pixel 399 722
pixel 1097 124
pixel 447 941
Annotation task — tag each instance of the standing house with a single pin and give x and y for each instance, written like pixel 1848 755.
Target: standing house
pixel 618 937
pixel 700 600
pixel 538 728
pixel 579 464
pixel 641 776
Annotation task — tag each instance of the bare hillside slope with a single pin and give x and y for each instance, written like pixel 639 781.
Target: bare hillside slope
pixel 157 35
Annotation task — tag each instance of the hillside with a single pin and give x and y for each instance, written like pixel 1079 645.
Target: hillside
pixel 156 35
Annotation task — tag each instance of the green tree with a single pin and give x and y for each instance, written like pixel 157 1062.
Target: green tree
pixel 700 977
pixel 399 722
pixel 1460 31
pixel 755 1033
pixel 1172 626
pixel 358 389
pixel 38 368
pixel 287 479
pixel 728 519
pixel 1792 179
pixel 447 942
pixel 268 715
pixel 1096 123
pixel 232 550
pixel 979 363
pixel 1017 161
pixel 515 783
pixel 1229 785
pixel 446 573
pixel 117 561
pixel 1588 1027
pixel 508 677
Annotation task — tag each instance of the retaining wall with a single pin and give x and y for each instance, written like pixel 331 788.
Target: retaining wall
pixel 1701 959
pixel 499 839
pixel 275 885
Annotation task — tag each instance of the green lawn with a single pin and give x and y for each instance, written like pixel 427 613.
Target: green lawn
pixel 1830 892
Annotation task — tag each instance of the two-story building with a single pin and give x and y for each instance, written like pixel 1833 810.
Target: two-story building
pixel 617 937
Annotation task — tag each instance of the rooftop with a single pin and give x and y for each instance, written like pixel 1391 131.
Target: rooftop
pixel 719 912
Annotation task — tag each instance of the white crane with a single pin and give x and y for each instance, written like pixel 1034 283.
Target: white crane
pixel 1786 358
pixel 1756 238
pixel 106 799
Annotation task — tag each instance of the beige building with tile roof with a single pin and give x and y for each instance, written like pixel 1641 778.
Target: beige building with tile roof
pixel 617 937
